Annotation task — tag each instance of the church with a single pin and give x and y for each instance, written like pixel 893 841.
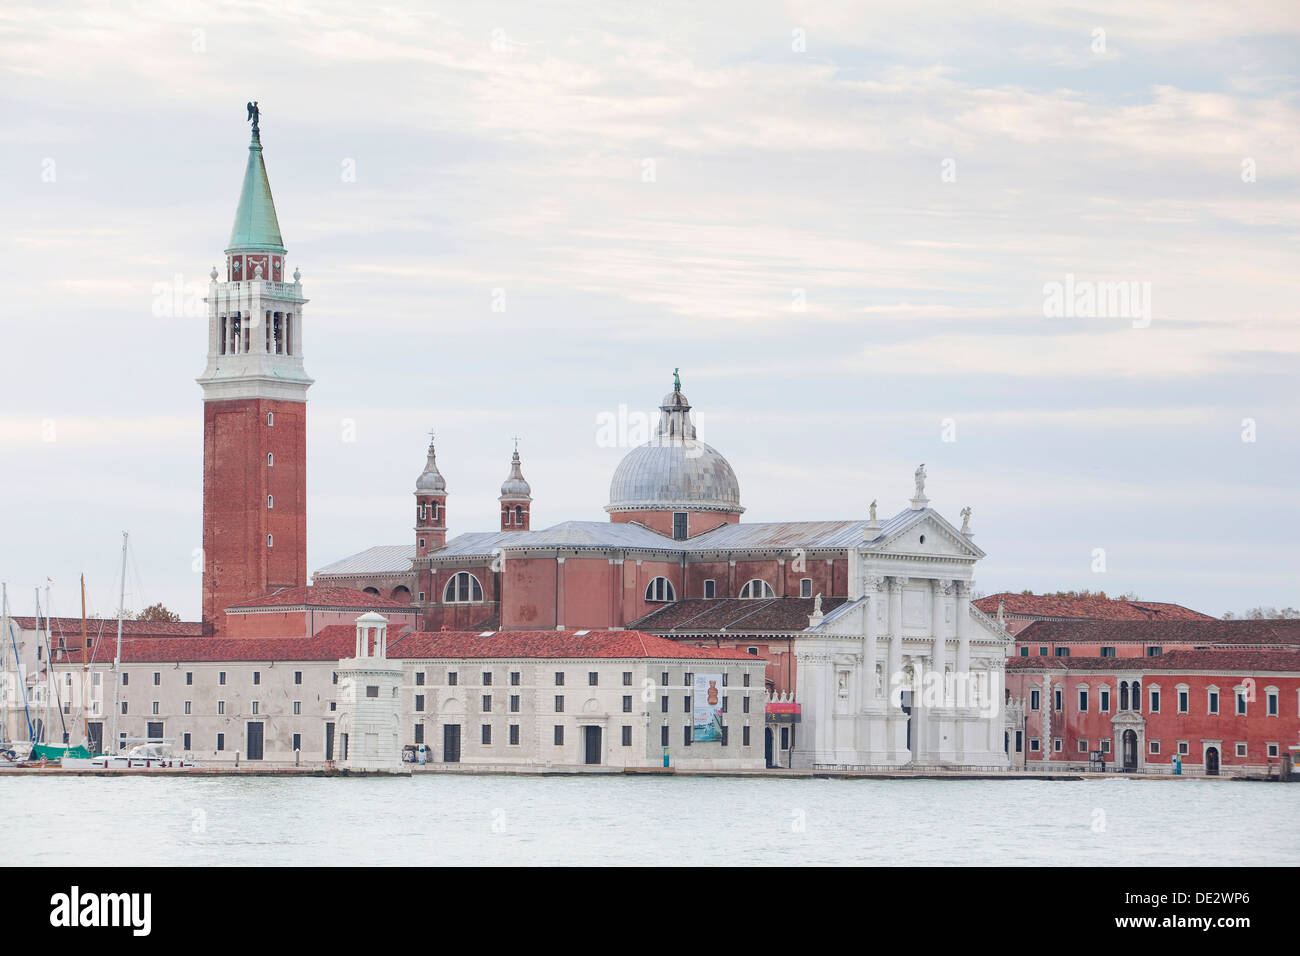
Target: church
pixel 874 652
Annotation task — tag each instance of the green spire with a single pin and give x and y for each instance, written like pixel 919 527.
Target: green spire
pixel 256 226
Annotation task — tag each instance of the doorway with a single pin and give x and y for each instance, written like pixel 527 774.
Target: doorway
pixel 451 743
pixel 154 730
pixel 1129 742
pixel 591 744
pixel 255 729
pixel 329 741
pixel 767 746
pixel 1212 761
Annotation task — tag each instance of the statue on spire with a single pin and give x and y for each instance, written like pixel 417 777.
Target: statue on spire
pixel 919 478
pixel 253 114
pixel 965 520
pixel 677 380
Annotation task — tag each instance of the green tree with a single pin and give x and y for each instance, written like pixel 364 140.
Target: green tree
pixel 157 612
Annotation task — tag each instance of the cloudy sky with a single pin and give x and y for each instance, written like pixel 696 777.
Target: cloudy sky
pixel 843 221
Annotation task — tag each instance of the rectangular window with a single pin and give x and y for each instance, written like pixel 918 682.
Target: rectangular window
pixel 157 678
pixel 1033 700
pixel 686 703
pixel 1105 746
pixel 514 703
pixel 593 678
pixel 805 587
pixel 1062 652
pixel 686 735
pixel 1104 701
pixel 1056 699
pixel 1212 702
pixel 1272 750
pixel 155 707
pixel 559 703
pixel 1024 651
pixel 1241 704
pixel 1056 744
pixel 187 706
pixel 514 733
pixel 419 678
pixel 1042 652
pixel 744 679
pixel 663 736
pixel 514 678
pixel 221 741
pixel 1034 745
pixel 1155 702
pixel 627 735
pixel 1182 701
pixel 627 703
pixel 1241 749
pixel 419 703
pixel 785 738
pixel 452 678
pixel 185 741
pixel 221 707
pixel 724 735
pixel 559 678
pixel 126 678
pixel 257 677
pixel 297 742
pixel 627 678
pixel 1083 746
pixel 485 734
pixel 679 526
pixel 1184 748
pixel 744 704
pixel 297 677
pixel 297 708
pixel 487 678
pixel 1155 650
pixel 1083 700
pixel 372 690
pixel 663 704
pixel 419 733
pixel 1272 703
pixel 710 588
pixel 221 677
pixel 559 735
pixel 1108 652
pixel 744 736
pixel 255 710
pixel 487 703
pixel 1155 746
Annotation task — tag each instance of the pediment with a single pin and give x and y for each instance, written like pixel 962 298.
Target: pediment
pixel 924 532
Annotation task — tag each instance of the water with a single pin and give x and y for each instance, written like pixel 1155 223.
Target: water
pixel 615 820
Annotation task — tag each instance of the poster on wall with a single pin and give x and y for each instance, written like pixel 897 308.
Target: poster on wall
pixel 707 709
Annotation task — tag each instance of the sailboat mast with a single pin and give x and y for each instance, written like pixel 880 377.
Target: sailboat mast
pixel 85 668
pixel 117 657
pixel 43 736
pixel 4 663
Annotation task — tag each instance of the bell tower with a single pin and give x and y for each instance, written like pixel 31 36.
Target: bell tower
pixel 516 497
pixel 254 410
pixel 430 506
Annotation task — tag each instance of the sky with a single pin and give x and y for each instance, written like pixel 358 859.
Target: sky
pixel 869 235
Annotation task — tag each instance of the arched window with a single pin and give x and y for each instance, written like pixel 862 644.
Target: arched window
pixel 757 589
pixel 270 502
pixel 519 514
pixel 270 460
pixel 270 541
pixel 1136 697
pixel 660 589
pixel 270 418
pixel 1123 695
pixel 462 588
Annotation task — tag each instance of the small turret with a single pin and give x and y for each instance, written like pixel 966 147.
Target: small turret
pixel 430 506
pixel 516 497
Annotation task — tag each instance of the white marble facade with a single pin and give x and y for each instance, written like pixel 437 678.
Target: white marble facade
pixel 908 671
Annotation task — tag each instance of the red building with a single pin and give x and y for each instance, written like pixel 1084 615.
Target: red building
pixel 1222 696
pixel 1018 611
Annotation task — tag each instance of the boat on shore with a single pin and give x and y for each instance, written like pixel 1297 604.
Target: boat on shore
pixel 152 754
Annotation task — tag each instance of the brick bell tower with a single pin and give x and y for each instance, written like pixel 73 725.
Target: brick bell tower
pixel 516 497
pixel 254 411
pixel 430 506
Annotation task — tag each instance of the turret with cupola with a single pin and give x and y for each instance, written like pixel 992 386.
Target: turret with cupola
pixel 430 506
pixel 516 498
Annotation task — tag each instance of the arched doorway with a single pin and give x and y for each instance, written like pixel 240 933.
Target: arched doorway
pixel 767 746
pixel 1212 761
pixel 1130 743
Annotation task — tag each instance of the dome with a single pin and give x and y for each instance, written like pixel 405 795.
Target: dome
pixel 674 471
pixel 431 480
pixel 674 475
pixel 516 486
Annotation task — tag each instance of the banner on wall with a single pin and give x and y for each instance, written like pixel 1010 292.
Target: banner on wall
pixel 707 708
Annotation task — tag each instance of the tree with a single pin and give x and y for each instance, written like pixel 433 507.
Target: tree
pixel 1264 614
pixel 157 612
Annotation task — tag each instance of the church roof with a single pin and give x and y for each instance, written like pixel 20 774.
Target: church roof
pixel 580 644
pixel 381 559
pixel 1088 608
pixel 1176 661
pixel 516 486
pixel 318 596
pixel 736 616
pixel 256 226
pixel 1206 631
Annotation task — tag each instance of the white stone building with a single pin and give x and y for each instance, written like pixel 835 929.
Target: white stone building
pixel 906 671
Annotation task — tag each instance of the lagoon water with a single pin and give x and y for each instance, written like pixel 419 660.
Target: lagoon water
pixel 615 820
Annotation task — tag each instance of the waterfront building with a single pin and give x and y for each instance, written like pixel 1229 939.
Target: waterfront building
pixel 505 699
pixel 1018 611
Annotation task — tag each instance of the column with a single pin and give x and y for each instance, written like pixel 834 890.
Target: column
pixel 895 624
pixel 1047 717
pixel 869 699
pixel 938 653
pixel 963 635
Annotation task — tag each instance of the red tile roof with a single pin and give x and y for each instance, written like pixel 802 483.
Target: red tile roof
pixel 1264 633
pixel 1217 660
pixel 339 640
pixel 319 596
pixel 70 626
pixel 1089 608
pixel 550 644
